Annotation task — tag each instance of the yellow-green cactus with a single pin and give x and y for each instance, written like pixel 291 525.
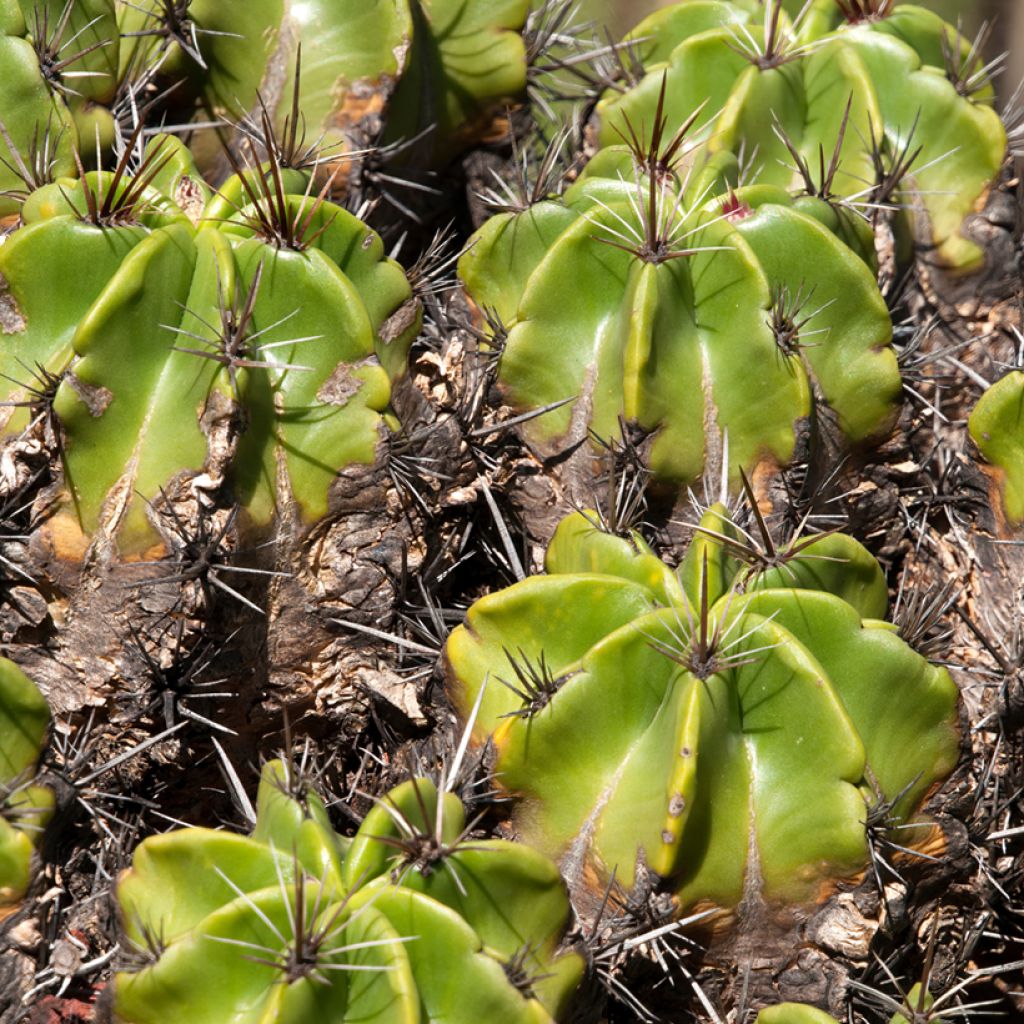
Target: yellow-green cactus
pixel 261 302
pixel 727 725
pixel 661 296
pixel 407 922
pixel 24 806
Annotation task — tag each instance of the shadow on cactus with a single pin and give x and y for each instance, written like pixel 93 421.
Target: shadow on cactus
pixel 654 292
pixel 727 725
pixel 408 921
pixel 248 336
pixel 25 807
pixel 768 78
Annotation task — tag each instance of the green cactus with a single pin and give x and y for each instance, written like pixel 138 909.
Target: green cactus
pixel 997 427
pixel 725 724
pixel 913 85
pixel 59 71
pixel 440 66
pixel 407 921
pixel 72 68
pixel 25 807
pixel 793 1013
pixel 266 305
pixel 666 299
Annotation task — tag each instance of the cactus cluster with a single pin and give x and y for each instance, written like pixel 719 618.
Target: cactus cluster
pixel 726 725
pixel 25 806
pixel 409 920
pixel 76 72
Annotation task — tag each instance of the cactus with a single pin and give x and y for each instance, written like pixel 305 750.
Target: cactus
pixel 407 921
pixel 767 83
pixel 793 1013
pixel 77 71
pixel 270 309
pixel 442 66
pixel 24 806
pixel 700 313
pixel 997 427
pixel 60 60
pixel 725 725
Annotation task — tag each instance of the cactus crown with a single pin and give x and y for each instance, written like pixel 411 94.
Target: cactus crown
pixel 295 915
pixel 647 714
pixel 206 298
pixel 656 242
pixel 779 85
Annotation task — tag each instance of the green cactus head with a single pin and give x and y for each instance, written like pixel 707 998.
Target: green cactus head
pixel 726 725
pixel 408 921
pixel 249 338
pixel 893 93
pixel 707 315
pixel 25 807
